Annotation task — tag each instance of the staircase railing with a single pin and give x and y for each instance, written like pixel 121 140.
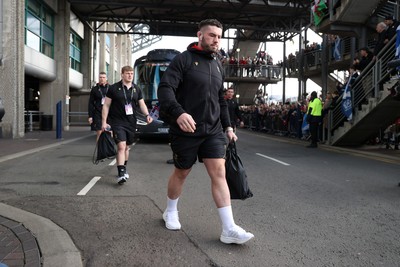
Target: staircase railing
pixel 368 84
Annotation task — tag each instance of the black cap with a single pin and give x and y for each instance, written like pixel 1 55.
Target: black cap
pixel 389 18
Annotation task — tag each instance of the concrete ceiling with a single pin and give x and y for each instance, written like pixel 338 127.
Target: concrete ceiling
pixel 258 20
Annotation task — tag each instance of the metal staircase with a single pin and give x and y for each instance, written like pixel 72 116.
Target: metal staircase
pixel 373 106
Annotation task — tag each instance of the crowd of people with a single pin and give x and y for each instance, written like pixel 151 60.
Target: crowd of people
pixel 261 65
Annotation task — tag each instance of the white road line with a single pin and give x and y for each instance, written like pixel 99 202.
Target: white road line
pixel 281 162
pixel 89 186
pixel 34 150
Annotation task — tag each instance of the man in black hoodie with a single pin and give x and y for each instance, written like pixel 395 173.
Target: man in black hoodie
pixel 96 101
pixel 191 95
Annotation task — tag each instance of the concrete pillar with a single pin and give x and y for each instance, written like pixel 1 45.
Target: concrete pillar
pixel 283 71
pixel 102 52
pixel 112 67
pixel 87 66
pixel 324 65
pixel 124 48
pixel 12 89
pixel 53 92
pixel 129 50
pixel 119 52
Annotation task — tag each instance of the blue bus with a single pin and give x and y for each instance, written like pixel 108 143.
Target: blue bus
pixel 148 71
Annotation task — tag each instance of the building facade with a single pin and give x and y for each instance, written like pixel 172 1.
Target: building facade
pixel 50 59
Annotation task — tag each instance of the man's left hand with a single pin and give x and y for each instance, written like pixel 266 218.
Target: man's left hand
pixel 231 136
pixel 149 119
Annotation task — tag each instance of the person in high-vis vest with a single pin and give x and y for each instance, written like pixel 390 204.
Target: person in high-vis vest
pixel 314 118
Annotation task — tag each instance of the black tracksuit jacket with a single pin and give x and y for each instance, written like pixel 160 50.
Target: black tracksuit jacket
pixel 194 83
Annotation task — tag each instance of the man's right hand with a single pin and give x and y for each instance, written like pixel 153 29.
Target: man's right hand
pixel 90 120
pixel 105 127
pixel 186 123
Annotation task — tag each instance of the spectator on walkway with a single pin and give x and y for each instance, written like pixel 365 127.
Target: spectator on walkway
pixel 233 66
pixel 365 58
pixel 242 65
pixel 382 33
pixel 392 25
pixel 325 113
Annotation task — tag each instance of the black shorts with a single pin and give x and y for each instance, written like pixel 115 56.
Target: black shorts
pixel 187 149
pixel 123 133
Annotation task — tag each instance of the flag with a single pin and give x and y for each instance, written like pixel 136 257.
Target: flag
pixel 336 51
pixel 305 126
pixel 347 105
pixel 319 10
pixel 397 54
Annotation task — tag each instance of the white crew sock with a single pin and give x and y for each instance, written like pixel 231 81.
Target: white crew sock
pixel 172 204
pixel 226 216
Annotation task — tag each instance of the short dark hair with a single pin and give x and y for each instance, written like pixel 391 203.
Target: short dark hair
pixel 314 94
pixel 210 22
pixel 102 73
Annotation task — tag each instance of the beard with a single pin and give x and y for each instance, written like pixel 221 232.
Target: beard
pixel 208 48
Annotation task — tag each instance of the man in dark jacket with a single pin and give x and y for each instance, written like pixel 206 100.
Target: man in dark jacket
pixel 365 58
pixel 233 107
pixel 191 95
pixel 382 33
pixel 392 25
pixel 96 101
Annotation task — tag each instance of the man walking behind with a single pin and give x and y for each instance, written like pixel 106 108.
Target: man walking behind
pixel 121 101
pixel 96 101
pixel 191 95
pixel 233 109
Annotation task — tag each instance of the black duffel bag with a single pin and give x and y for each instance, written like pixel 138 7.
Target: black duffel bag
pixel 236 176
pixel 105 148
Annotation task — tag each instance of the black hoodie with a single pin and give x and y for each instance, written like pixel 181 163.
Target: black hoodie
pixel 193 84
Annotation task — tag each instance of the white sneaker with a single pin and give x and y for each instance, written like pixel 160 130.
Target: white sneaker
pixel 121 180
pixel 126 176
pixel 235 235
pixel 171 220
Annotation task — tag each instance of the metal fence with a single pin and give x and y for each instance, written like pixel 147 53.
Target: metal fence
pixel 262 71
pixel 32 120
pixel 77 118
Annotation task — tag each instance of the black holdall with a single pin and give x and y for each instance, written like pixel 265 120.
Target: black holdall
pixel 236 176
pixel 105 148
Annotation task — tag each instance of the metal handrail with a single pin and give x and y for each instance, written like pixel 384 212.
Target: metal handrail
pixel 262 71
pixel 76 114
pixel 30 114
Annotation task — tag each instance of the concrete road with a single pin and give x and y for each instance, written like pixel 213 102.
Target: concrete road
pixel 311 207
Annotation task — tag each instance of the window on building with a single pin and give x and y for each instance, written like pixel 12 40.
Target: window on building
pixel 75 45
pixel 39 27
pixel 107 68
